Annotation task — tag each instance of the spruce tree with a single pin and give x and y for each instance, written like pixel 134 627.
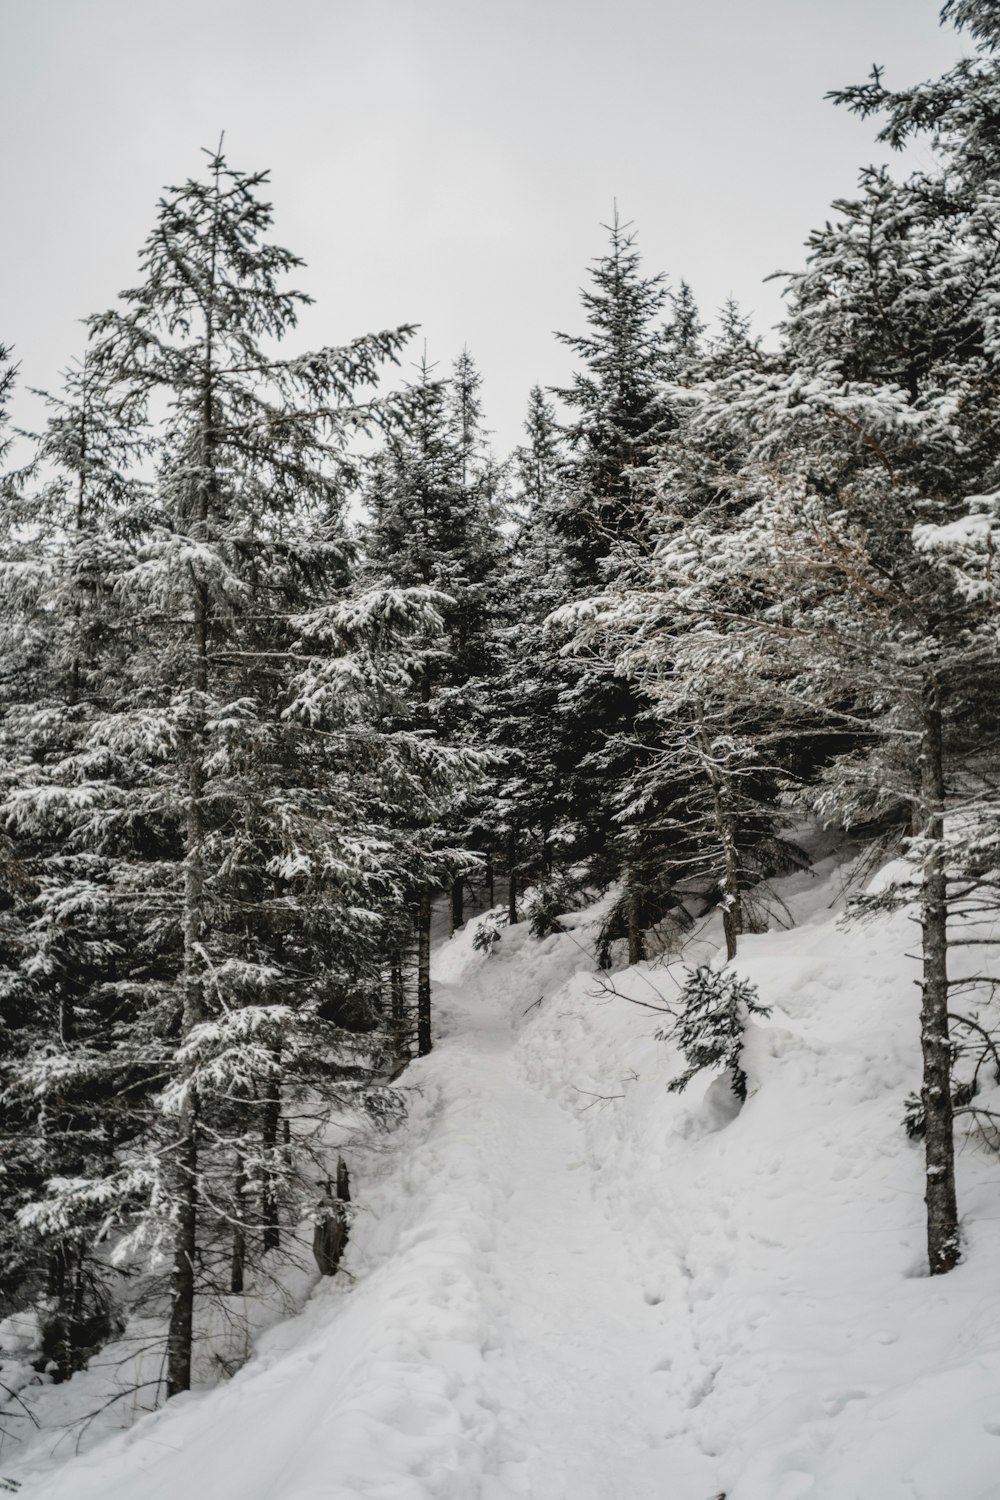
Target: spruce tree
pixel 8 372
pixel 74 1089
pixel 715 1006
pixel 704 796
pixel 534 828
pixel 865 528
pixel 435 504
pixel 233 772
pixel 619 413
pixel 614 403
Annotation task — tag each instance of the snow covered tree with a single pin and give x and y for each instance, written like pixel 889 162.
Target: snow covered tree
pixel 538 461
pixel 927 290
pixel 606 514
pixel 702 798
pixel 237 790
pixel 66 1102
pixel 819 581
pixel 869 522
pixel 435 505
pixel 598 505
pixel 687 330
pixel 614 400
pixel 715 1006
pixel 532 819
pixel 7 374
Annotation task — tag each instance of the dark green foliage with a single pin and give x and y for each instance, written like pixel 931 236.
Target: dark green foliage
pixel 549 899
pixel 614 401
pixel 715 1006
pixel 435 505
pixel 585 510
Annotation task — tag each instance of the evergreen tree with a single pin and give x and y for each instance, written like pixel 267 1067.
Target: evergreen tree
pixel 704 795
pixel 532 819
pixel 8 372
pixel 74 1086
pixel 435 502
pixel 614 400
pixel 864 529
pixel 715 1006
pixel 538 461
pixel 435 510
pixel 238 791
pixel 620 414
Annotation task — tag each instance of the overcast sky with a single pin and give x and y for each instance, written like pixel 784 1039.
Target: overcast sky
pixel 446 162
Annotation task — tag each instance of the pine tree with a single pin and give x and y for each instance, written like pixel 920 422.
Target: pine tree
pixel 242 788
pixel 715 1006
pixel 620 415
pixel 867 531
pixel 528 818
pixel 435 505
pixel 687 330
pixel 703 797
pixel 614 402
pixel 66 1101
pixel 820 583
pixel 8 371
pixel 538 461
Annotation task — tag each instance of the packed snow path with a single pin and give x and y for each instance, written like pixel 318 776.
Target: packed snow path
pixel 577 1345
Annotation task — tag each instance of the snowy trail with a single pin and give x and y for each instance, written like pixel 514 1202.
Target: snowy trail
pixel 580 1347
pixel 495 1346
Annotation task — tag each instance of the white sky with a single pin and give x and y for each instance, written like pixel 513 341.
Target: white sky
pixel 446 162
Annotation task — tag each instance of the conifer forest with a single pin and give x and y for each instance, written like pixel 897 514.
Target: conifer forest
pixel 566 880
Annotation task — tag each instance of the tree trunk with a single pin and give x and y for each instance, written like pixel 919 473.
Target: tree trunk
pixel 939 1143
pixel 457 903
pixel 239 1260
pixel 633 910
pixel 490 886
pixel 725 827
pixel 182 1277
pixel 55 1320
pixel 67 1015
pixel 270 1124
pixel 424 1042
pixel 547 860
pixel 512 879
pixel 332 1228
pixel 194 913
pixel 397 1002
pixel 184 1166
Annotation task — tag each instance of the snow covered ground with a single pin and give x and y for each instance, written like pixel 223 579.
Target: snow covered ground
pixel 567 1283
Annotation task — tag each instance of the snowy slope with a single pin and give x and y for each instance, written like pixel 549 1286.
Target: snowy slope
pixel 808 1351
pixel 569 1284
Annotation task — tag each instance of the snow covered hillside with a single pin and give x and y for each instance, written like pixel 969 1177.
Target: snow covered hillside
pixel 567 1283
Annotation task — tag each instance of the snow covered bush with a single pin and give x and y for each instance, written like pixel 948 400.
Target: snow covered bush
pixel 548 901
pixel 716 1005
pixel 488 931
